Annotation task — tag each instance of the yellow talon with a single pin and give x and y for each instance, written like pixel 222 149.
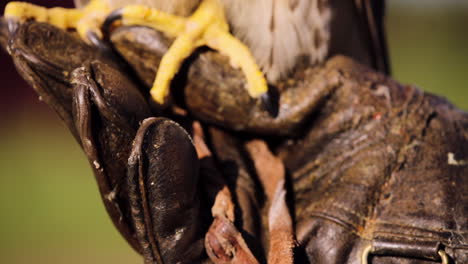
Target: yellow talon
pixel 60 17
pixel 88 19
pixel 207 26
pixel 141 15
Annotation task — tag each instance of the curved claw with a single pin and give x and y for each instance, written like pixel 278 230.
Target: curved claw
pixel 12 25
pixel 106 49
pixel 207 26
pixel 110 19
pixel 4 33
pixel 270 103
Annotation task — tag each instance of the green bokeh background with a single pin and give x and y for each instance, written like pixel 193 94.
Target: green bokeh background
pixel 50 210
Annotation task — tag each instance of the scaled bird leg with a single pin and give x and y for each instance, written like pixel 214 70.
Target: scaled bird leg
pixel 207 26
pixel 87 21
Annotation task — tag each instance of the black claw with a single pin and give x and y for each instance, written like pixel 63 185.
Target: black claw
pixel 105 48
pixel 95 40
pixel 8 29
pixel 270 102
pixel 110 19
pixel 100 44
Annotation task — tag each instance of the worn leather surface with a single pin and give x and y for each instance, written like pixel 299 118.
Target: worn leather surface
pixel 374 168
pixel 376 163
pixel 45 58
pixel 163 175
pixel 106 118
pixel 370 161
pixel 60 69
pixel 216 93
pixel 146 169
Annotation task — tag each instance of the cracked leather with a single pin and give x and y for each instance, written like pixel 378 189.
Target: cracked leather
pixel 93 114
pixel 129 153
pixel 372 166
pixel 371 162
pixel 369 159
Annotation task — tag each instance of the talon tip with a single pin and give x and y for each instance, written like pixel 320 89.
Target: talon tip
pixel 110 19
pixel 105 48
pixel 12 25
pixel 99 43
pixel 269 104
pixel 95 39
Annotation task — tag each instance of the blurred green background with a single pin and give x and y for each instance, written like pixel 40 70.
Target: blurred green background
pixel 50 210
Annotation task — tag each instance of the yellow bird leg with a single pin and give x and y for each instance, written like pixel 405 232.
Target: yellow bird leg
pixel 206 26
pixel 95 13
pixel 239 56
pixel 60 17
pixel 171 25
pixel 169 66
pixel 83 20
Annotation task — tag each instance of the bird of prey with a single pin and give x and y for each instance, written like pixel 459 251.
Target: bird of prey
pixel 265 38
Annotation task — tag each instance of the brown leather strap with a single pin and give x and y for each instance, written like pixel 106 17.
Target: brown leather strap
pixel 409 248
pixel 430 250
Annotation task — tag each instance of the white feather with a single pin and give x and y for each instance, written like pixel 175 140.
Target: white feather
pixel 278 33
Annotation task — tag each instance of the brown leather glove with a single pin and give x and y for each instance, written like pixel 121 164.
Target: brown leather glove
pixel 146 168
pixel 377 170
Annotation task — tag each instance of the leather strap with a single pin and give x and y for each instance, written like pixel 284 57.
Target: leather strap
pixel 430 250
